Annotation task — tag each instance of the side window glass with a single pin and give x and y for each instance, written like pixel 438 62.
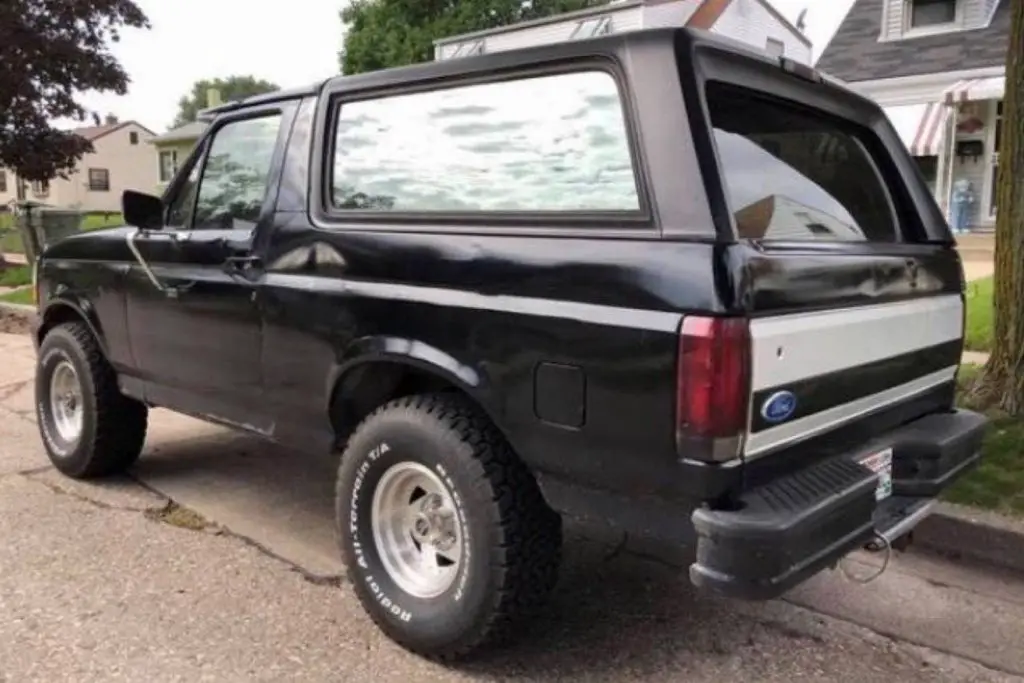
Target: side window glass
pixel 490 147
pixel 234 180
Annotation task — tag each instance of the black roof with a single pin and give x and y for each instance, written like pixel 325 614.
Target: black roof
pixel 856 54
pixel 210 113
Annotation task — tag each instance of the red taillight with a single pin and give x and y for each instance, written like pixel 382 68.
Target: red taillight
pixel 713 380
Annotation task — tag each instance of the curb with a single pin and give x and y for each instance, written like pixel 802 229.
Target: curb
pixel 962 532
pixel 18 310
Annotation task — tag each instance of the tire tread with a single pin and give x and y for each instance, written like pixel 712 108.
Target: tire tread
pixel 121 422
pixel 530 553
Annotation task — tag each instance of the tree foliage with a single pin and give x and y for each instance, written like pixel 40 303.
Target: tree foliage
pixel 1002 384
pixel 386 33
pixel 50 52
pixel 231 89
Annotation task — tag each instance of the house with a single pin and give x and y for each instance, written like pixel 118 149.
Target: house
pixel 937 67
pixel 173 147
pixel 754 22
pixel 122 159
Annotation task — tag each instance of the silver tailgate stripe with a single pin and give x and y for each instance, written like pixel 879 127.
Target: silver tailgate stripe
pixel 791 433
pixel 790 348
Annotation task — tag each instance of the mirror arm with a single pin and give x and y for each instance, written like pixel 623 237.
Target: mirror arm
pixel 130 240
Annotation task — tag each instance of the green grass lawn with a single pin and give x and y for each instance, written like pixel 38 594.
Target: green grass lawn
pixel 15 276
pixel 997 483
pixel 978 332
pixel 18 296
pixel 10 238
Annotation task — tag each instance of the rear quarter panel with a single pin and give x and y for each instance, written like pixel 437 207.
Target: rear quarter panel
pixel 486 311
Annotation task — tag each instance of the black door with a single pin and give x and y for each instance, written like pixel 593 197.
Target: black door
pixel 193 314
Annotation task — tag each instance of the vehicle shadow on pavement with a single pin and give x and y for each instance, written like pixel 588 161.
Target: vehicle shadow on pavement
pixel 612 609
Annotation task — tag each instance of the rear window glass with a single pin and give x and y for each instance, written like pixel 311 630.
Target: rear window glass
pixel 793 175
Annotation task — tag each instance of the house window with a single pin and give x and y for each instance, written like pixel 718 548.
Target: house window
pixel 40 188
pixel 133 138
pixel 3 181
pixel 926 13
pixel 168 165
pixel 99 180
pixel 776 48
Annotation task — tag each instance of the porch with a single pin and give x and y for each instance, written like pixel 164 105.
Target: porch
pixel 955 138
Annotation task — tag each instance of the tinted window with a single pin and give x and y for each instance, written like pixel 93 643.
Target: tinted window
pixel 793 175
pixel 234 180
pixel 551 143
pixel 932 12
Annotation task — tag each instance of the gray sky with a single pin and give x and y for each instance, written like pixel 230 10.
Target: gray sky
pixel 289 43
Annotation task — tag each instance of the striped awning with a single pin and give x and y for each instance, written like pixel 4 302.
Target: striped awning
pixel 975 89
pixel 921 127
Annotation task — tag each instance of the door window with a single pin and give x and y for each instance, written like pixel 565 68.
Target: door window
pixel 234 178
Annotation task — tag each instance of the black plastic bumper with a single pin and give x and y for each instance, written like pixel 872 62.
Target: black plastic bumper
pixel 790 529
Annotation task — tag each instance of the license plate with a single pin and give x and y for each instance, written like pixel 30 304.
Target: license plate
pixel 881 464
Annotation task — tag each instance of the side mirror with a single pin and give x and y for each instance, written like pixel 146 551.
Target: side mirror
pixel 142 210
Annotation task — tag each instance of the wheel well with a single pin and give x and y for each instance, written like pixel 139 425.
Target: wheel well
pixel 58 315
pixel 373 384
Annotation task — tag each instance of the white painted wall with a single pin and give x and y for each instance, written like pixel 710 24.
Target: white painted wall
pixel 751 22
pixel 130 167
pixel 745 20
pixel 629 18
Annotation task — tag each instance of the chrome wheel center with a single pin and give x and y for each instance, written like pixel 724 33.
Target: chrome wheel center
pixel 416 530
pixel 66 401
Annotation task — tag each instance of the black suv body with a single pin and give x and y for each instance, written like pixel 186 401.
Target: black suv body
pixel 655 279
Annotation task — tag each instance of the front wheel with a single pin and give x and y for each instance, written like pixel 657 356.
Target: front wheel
pixel 89 428
pixel 447 538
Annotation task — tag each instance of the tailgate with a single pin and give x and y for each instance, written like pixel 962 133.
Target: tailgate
pixel 840 257
pixel 814 372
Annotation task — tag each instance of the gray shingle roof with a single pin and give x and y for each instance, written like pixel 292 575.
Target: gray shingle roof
pixel 190 131
pixel 855 54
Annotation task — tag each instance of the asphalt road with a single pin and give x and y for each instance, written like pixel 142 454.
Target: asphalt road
pixel 107 583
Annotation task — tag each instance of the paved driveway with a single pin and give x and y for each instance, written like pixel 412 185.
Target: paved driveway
pixel 108 582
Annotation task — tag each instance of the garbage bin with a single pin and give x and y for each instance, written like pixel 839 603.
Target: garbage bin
pixel 56 224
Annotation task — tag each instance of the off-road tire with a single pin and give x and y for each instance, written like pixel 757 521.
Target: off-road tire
pixel 113 425
pixel 513 544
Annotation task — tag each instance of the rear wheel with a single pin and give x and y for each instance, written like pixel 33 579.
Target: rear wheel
pixel 89 428
pixel 447 538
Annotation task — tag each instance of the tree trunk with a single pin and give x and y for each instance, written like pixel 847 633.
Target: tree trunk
pixel 1002 384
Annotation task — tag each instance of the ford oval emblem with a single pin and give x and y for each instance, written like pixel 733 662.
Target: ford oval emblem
pixel 779 406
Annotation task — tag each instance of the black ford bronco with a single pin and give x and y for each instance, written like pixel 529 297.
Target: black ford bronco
pixel 658 279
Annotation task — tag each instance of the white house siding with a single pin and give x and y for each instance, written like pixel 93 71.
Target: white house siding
pixel 629 18
pixel 892 22
pixel 744 20
pixel 751 22
pixel 976 13
pixel 130 167
pixel 669 13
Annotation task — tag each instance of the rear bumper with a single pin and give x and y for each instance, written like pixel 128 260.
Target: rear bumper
pixel 790 529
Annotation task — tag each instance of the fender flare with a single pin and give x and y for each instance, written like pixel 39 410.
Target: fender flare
pixel 413 354
pixel 82 308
